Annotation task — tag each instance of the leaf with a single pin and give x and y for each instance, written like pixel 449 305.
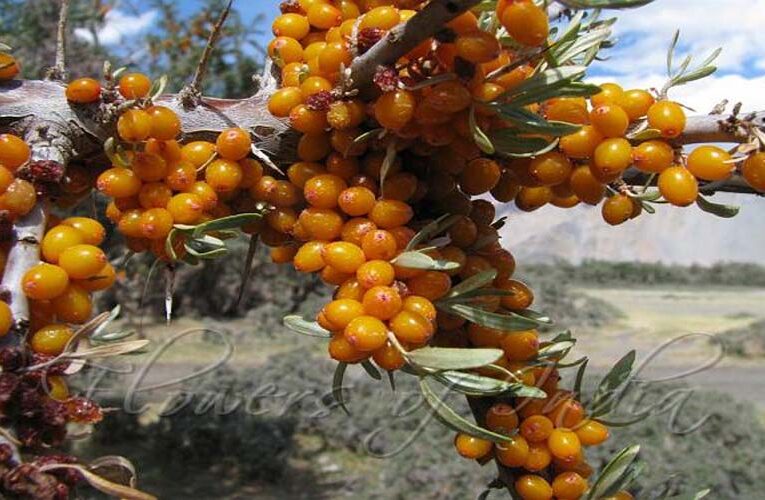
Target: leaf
pixel 116 490
pixel 646 135
pixel 556 349
pixel 604 4
pixel 580 377
pixel 697 74
pixel 501 321
pixel 720 210
pixel 158 87
pixel 476 281
pixel 604 398
pixel 479 136
pixel 546 79
pixel 114 465
pixel 451 419
pixel 531 122
pixel 304 327
pixel 337 386
pixel 105 351
pixel 432 229
pixel 388 160
pixel 527 391
pixel 510 142
pixel 244 277
pixel 419 260
pixel 473 384
pixel 371 370
pixel 112 336
pixel 671 52
pixel 230 222
pixel 445 358
pixel 611 478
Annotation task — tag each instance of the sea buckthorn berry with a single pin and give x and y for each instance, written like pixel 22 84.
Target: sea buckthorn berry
pixel 521 346
pixel 522 297
pixel 612 156
pixel 301 172
pixel 342 311
pixel 314 147
pixel 343 256
pixel 586 186
pixel 6 318
pixel 472 447
pixel 482 212
pixel 309 257
pixel 533 487
pixel 321 224
pixel 282 101
pixel 198 152
pixel 156 223
pixel 464 232
pixel 14 152
pixel 334 56
pixel 403 235
pixel 507 187
pixel 474 264
pixel 83 90
pixel 6 178
pixel 610 120
pixel 134 125
pixel 379 245
pixel 233 144
pixel 102 280
pixel 582 143
pixel 539 457
pixel 667 117
pixel 527 23
pixel 383 17
pixel 382 302
pixel 753 171
pixel 449 97
pixel 393 110
pixel 388 357
pixel 224 176
pixel 44 282
pixel 620 495
pixel 130 224
pixel 564 443
pixel 514 452
pixel 502 418
pixel 205 194
pixel 356 201
pixel 375 273
pixel 324 16
pixel 421 306
pixel 431 284
pixel 401 186
pixel 165 124
pixel 284 50
pixel 678 186
pixel 169 150
pixel 58 239
pixel 9 67
pixel 73 306
pixel 568 413
pixel 366 333
pixel 609 93
pixel 480 176
pixel 154 195
pixel 388 214
pixel 550 169
pixel 636 103
pixel 186 208
pixel 57 388
pixel 653 156
pixel 567 109
pixel 591 433
pixel 342 350
pixel 82 261
pixel 710 163
pixel 348 170
pixel 305 120
pixel 51 339
pixel 134 85
pixel 324 190
pixel 291 25
pixel 618 209
pixel 537 428
pixel 354 230
pixel 477 47
pixel 346 114
pixel 569 486
pixel 529 199
pixel 149 167
pixel 93 231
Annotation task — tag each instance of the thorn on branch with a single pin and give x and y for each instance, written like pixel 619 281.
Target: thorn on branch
pixel 191 94
pixel 58 70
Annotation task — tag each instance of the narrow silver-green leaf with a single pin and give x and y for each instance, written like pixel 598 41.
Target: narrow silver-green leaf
pixel 612 473
pixel 230 222
pixel 337 386
pixel 305 327
pixel 371 370
pixel 445 358
pixel 476 281
pixel 419 260
pixel 718 209
pixel 604 4
pixel 479 136
pixel 472 384
pixel 501 321
pixel 510 142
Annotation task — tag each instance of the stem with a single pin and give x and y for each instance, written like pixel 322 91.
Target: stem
pixel 58 70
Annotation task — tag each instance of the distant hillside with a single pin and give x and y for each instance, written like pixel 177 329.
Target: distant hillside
pixel 672 235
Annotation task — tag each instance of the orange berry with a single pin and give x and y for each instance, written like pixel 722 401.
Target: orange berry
pixel 224 176
pixel 533 487
pixel 609 93
pixel 58 239
pixel 382 302
pixel 536 428
pixel 582 143
pixel 618 209
pixel 356 201
pixel 102 280
pixel 514 452
pixel 130 224
pixel 753 171
pixel 44 282
pixel 342 350
pixel 612 156
pixel 205 194
pixel 527 23
pixel 567 109
pixel 324 16
pixel 431 284
pixel 521 346
pixel 321 224
pixel 9 67
pixel 186 208
pixel 539 457
pixel 383 17
pixel 134 125
pixel 550 169
pixel 678 186
pixel 388 357
pixel 375 273
pixel 73 306
pixel 334 56
pixel 198 153
pixel 477 47
pixel 569 486
pixel 6 319
pixel 82 261
pixel 134 85
pixel 653 156
pixel 522 297
pixel 480 176
pixel 710 163
pixel 324 190
pixel 667 117
pixel 14 152
pixel 393 110
pixel 92 231
pixel 472 447
pixel 156 223
pixel 83 90
pixel 366 333
pixel 309 257
pixel 635 103
pixel 388 214
pixel 564 444
pixel 502 418
pixel 379 245
pixel 233 144
pixel 284 50
pixel 591 433
pixel 283 100
pixel 51 339
pixel 343 256
pixel 291 25
pixel 305 120
pixel 610 120
pixel 529 199
pixel 585 186
pixel 340 312
pixel 165 123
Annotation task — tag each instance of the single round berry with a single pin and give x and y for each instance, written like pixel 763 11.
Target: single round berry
pixel 618 209
pixel 73 306
pixel 678 186
pixel 753 171
pixel 51 340
pixel 134 85
pixel 44 282
pixel 366 333
pixel 82 261
pixel 533 487
pixel 710 163
pixel 667 117
pixel 525 22
pixel 14 152
pixel 472 447
pixel 83 91
pixel 233 144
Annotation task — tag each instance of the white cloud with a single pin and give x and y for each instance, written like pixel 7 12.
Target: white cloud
pixel 117 26
pixel 735 25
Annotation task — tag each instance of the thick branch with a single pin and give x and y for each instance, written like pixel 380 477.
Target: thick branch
pixel 734 184
pixel 405 37
pixel 718 128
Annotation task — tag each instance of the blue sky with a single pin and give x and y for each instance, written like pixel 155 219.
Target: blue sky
pixel 637 61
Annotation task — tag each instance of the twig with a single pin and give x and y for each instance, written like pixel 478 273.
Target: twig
pixel 191 95
pixel 405 37
pixel 58 70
